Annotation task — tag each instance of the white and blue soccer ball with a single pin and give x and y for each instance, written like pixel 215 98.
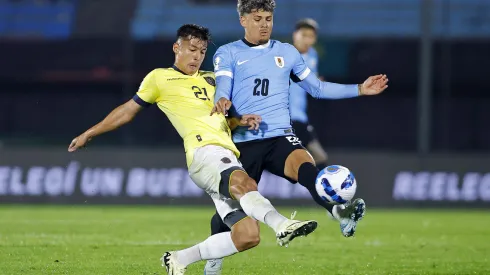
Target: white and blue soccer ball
pixel 336 184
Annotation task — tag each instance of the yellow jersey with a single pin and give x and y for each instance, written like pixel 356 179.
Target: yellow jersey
pixel 187 100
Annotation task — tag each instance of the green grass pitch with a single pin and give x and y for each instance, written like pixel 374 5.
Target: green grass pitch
pixel 130 240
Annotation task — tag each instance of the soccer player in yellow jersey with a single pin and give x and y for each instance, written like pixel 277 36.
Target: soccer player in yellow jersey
pixel 185 94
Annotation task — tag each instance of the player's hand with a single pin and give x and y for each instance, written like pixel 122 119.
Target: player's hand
pixel 251 120
pixel 374 85
pixel 79 142
pixel 221 107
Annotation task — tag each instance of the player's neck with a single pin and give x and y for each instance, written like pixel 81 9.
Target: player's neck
pixel 252 43
pixel 176 67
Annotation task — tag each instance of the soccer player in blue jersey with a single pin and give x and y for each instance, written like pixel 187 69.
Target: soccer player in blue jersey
pixel 304 37
pixel 253 77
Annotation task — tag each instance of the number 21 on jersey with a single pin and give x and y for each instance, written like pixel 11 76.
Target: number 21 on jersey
pixel 198 93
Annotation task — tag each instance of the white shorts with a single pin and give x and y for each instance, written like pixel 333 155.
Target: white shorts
pixel 205 170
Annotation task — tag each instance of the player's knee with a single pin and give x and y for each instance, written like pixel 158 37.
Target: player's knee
pixel 246 234
pixel 241 184
pixel 250 240
pixel 294 162
pixel 250 184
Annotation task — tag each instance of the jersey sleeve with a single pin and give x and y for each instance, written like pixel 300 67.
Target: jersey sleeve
pixel 148 91
pixel 223 70
pixel 300 70
pixel 223 62
pixel 328 90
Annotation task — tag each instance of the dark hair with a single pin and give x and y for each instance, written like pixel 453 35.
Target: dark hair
pixel 307 23
pixel 247 6
pixel 193 31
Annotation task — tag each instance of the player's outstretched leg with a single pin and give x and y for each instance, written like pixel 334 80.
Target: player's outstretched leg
pixel 234 184
pixel 244 189
pixel 243 236
pixel 299 166
pixel 286 229
pixel 244 233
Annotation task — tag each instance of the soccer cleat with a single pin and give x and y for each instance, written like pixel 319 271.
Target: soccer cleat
pixel 292 229
pixel 173 267
pixel 213 267
pixel 349 215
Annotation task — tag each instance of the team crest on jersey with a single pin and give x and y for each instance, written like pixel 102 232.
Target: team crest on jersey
pixel 210 81
pixel 279 61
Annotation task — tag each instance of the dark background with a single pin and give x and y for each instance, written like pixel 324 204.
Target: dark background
pixel 65 64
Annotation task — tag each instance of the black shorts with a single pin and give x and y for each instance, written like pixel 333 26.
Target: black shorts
pixel 305 132
pixel 267 154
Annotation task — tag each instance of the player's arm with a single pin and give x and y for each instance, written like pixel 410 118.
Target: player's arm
pixel 328 90
pixel 302 75
pixel 253 121
pixel 123 114
pixel 117 118
pixel 223 70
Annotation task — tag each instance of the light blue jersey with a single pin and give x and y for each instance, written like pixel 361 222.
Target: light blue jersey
pixel 256 80
pixel 298 99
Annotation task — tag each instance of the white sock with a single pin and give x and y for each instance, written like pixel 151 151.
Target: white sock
pixel 258 207
pixel 189 255
pixel 274 219
pixel 217 246
pixel 335 211
pixel 214 247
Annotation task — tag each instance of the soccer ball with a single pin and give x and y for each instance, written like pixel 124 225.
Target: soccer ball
pixel 336 184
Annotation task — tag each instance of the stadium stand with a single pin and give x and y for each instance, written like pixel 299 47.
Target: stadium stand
pixel 347 18
pixel 36 18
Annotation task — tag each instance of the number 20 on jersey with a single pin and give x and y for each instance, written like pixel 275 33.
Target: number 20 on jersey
pixel 261 87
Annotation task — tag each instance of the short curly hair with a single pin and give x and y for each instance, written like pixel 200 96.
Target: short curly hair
pixel 248 6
